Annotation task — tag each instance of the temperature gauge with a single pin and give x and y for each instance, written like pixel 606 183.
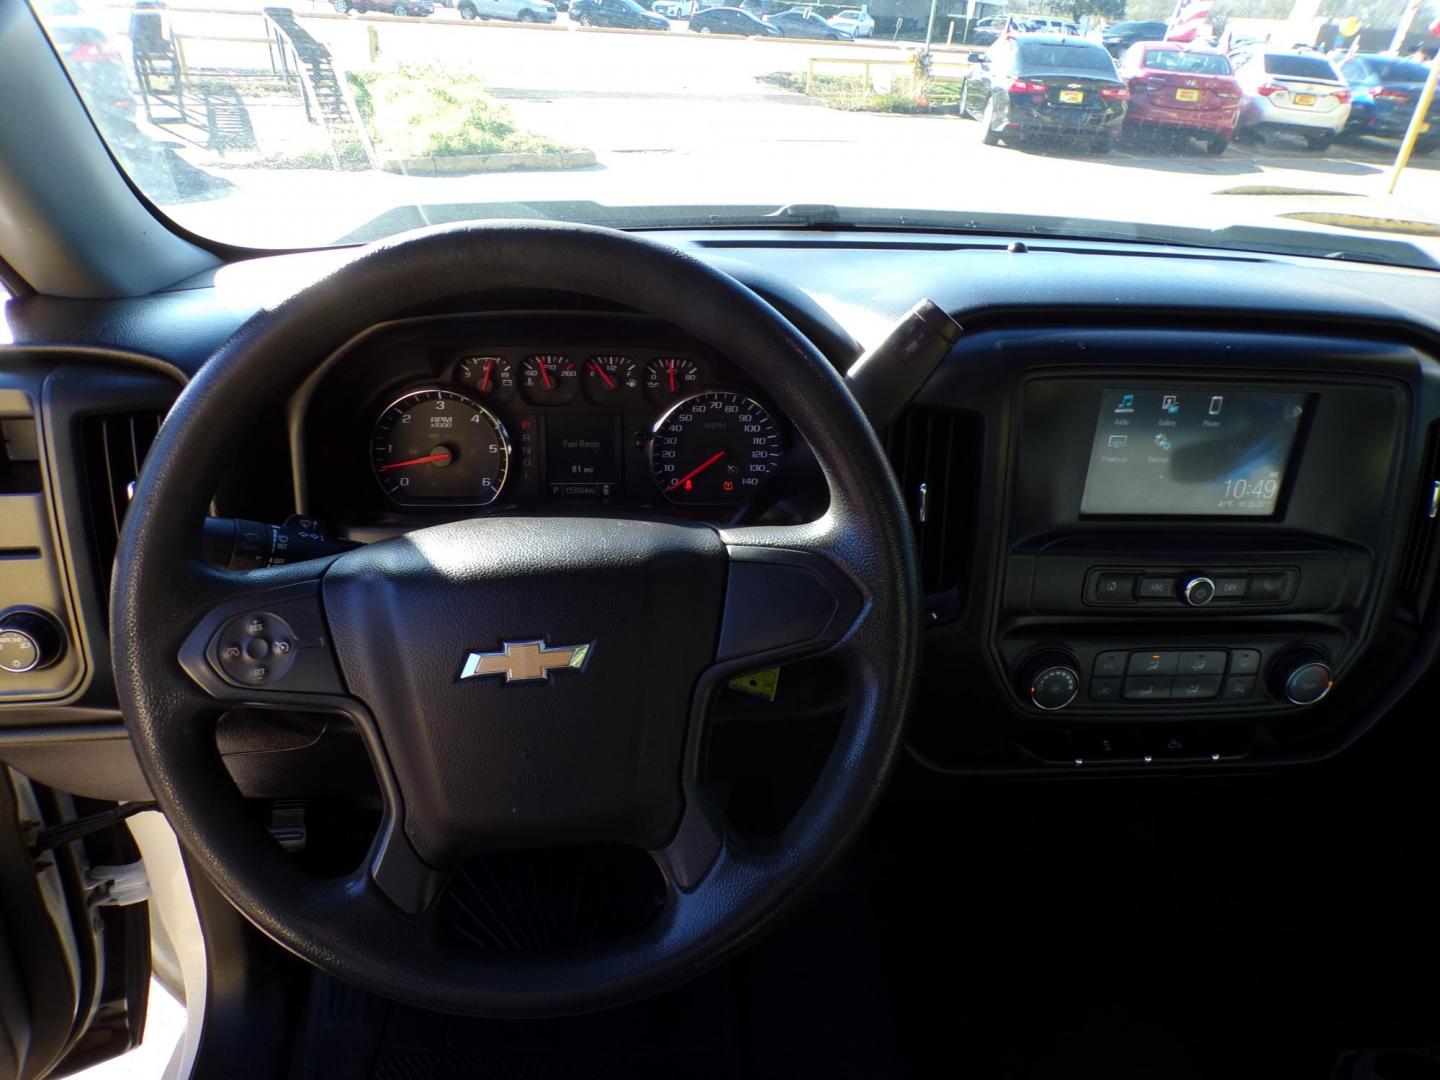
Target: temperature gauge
pixel 549 380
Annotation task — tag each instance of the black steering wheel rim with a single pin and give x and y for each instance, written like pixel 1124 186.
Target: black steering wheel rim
pixel 355 927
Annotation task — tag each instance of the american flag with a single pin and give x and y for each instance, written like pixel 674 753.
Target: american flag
pixel 1188 18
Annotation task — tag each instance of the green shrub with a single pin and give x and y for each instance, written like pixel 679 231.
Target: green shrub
pixel 413 110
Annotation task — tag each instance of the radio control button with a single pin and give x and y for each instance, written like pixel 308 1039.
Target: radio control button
pixel 1270 588
pixel 1230 588
pixel 1115 588
pixel 1157 588
pixel 1198 591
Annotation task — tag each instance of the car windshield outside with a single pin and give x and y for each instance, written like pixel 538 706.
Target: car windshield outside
pixel 1038 55
pixel 332 122
pixel 1298 67
pixel 1186 62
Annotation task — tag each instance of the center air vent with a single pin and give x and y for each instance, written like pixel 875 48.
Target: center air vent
pixel 936 456
pixel 114 447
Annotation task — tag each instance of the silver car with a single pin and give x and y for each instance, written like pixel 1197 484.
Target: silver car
pixel 536 11
pixel 1296 92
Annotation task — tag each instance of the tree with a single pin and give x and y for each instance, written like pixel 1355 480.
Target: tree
pixel 1075 10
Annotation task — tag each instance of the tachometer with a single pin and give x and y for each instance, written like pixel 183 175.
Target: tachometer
pixel 439 447
pixel 714 448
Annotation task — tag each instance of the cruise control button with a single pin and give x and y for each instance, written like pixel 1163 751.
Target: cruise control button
pixel 1244 661
pixel 1193 688
pixel 1157 588
pixel 1270 588
pixel 1104 689
pixel 1239 688
pixel 1210 662
pixel 1230 588
pixel 1153 663
pixel 1148 688
pixel 1115 588
pixel 1110 664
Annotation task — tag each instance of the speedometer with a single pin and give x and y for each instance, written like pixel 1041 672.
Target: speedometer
pixel 714 448
pixel 437 447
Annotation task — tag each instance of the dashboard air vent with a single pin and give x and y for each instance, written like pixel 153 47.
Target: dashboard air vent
pixel 1417 556
pixel 936 456
pixel 114 445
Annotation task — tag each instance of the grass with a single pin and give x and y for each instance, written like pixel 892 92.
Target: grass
pixel 847 92
pixel 414 110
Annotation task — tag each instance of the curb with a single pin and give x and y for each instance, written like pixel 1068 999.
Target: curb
pixel 460 164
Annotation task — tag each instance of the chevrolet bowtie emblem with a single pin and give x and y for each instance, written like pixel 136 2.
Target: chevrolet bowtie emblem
pixel 525 661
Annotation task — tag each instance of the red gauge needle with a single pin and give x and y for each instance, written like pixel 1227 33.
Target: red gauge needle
pixel 671 370
pixel 485 379
pixel 609 382
pixel 439 455
pixel 711 460
pixel 544 375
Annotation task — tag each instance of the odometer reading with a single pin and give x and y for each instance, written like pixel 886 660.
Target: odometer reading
pixel 437 446
pixel 714 448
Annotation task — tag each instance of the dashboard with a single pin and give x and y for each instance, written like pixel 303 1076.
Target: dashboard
pixel 457 414
pixel 1175 509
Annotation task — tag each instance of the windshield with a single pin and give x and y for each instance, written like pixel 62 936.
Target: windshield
pixel 1035 55
pixel 1299 67
pixel 1191 63
pixel 339 121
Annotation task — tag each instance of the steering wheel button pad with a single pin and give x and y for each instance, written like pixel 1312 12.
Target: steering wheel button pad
pixel 282 646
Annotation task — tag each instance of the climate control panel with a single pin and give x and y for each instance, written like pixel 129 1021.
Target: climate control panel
pixel 1123 680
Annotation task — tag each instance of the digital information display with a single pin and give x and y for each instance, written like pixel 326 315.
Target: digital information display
pixel 1187 451
pixel 582 456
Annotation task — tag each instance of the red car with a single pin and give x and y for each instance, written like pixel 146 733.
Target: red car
pixel 1181 88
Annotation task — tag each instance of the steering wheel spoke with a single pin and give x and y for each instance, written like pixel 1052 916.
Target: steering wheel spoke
pixel 260 638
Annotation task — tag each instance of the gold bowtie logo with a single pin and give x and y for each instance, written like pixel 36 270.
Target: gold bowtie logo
pixel 525 661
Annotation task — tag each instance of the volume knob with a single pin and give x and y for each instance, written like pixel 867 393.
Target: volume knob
pixel 28 641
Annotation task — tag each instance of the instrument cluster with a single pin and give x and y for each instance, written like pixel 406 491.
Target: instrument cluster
pixel 474 415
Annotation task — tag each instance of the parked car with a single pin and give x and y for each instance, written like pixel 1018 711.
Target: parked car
pixel 987 31
pixel 1122 35
pixel 394 7
pixel 857 22
pixel 1046 85
pixel 625 14
pixel 537 11
pixel 1184 88
pixel 1298 93
pixel 1385 92
pixel 806 24
pixel 729 20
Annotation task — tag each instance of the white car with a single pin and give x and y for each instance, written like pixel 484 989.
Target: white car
pixel 857 22
pixel 1295 92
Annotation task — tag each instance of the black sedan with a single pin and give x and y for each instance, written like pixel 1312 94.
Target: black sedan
pixel 1035 86
pixel 806 24
pixel 626 14
pixel 729 20
pixel 1122 35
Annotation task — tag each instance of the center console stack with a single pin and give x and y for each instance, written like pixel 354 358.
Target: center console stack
pixel 1189 539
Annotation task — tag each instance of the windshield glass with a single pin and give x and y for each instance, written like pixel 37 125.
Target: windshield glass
pixel 1035 55
pixel 1299 67
pixel 340 121
pixel 1191 63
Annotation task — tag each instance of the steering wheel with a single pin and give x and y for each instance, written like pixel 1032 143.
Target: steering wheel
pixel 641 623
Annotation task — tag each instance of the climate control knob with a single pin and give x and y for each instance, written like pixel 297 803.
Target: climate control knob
pixel 1051 681
pixel 1302 677
pixel 28 641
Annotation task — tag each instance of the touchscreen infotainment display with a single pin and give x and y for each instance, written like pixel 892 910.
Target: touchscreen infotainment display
pixel 1191 451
